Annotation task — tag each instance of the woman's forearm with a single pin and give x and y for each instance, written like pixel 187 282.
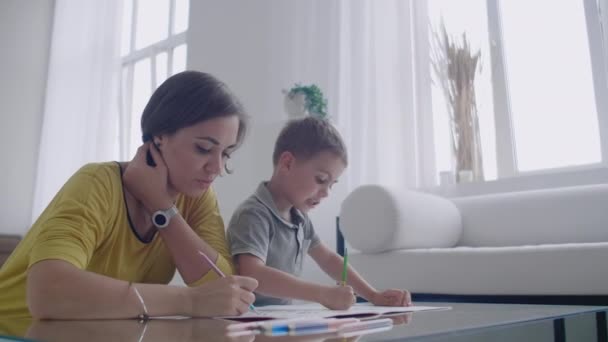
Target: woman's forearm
pixel 184 245
pixel 58 290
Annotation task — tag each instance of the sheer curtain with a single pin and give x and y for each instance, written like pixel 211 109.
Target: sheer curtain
pixel 80 121
pixel 383 84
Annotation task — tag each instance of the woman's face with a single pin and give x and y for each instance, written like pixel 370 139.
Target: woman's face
pixel 195 155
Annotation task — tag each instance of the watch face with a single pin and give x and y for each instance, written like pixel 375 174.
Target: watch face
pixel 160 220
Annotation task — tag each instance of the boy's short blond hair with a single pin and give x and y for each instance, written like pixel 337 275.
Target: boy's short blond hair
pixel 307 137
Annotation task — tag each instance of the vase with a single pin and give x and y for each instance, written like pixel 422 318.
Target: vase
pixel 465 136
pixel 465 176
pixel 295 105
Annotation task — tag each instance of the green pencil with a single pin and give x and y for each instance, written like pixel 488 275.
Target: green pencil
pixel 345 267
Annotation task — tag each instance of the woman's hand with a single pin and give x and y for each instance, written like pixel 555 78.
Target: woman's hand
pixel 149 184
pixel 227 296
pixel 392 297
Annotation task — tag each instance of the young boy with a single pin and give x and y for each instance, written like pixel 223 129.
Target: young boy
pixel 270 233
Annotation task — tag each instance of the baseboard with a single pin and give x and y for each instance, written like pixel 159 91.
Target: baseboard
pixel 514 299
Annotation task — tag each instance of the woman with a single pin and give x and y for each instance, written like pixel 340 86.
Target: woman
pixel 109 242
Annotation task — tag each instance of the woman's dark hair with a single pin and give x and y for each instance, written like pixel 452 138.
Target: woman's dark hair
pixel 186 99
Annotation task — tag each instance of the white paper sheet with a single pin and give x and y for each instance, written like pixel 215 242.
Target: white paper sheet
pixel 361 310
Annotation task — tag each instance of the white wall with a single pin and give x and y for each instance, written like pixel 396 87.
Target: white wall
pixel 259 48
pixel 25 30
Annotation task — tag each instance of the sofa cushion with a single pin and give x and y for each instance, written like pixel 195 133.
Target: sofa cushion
pixel 564 215
pixel 556 269
pixel 374 219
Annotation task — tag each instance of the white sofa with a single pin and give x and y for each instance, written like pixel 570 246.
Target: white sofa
pixel 534 243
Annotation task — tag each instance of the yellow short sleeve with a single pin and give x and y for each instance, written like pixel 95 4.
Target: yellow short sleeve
pixel 73 225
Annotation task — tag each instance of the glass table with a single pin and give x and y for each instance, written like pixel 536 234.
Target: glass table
pixel 463 322
pixel 501 322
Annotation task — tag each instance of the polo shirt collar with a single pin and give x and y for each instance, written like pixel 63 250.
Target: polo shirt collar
pixel 265 197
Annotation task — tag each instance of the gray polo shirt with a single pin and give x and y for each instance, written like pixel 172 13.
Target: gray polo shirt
pixel 257 228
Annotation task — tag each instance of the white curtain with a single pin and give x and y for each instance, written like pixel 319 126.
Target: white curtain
pixel 383 85
pixel 80 122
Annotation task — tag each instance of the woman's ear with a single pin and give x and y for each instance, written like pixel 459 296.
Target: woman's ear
pixel 159 140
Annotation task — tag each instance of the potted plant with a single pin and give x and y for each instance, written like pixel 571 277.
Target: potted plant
pixel 302 100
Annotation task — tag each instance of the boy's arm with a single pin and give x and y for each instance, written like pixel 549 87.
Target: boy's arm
pixel 276 283
pixel 332 264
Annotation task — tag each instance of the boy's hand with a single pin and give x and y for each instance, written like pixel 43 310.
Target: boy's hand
pixel 392 297
pixel 338 297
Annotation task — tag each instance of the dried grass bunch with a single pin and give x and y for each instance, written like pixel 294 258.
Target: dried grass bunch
pixel 455 67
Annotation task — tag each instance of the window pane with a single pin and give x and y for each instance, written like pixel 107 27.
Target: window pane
pixel 550 84
pixel 127 15
pixel 180 22
pixel 125 111
pixel 142 89
pixel 161 68
pixel 152 22
pixel 179 58
pixel 469 17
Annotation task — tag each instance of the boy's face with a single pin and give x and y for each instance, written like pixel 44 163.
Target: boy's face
pixel 309 181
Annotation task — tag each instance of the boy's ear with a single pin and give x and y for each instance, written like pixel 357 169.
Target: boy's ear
pixel 286 160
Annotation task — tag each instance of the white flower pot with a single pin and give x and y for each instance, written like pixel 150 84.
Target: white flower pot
pixel 295 105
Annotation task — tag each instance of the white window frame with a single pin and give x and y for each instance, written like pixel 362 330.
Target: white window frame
pixel 128 62
pixel 508 177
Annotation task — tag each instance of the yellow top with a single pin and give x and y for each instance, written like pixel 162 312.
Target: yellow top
pixel 87 225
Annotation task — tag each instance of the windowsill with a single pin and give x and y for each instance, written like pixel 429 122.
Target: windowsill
pixel 597 174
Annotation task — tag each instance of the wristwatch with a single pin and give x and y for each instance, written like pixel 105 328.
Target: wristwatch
pixel 161 218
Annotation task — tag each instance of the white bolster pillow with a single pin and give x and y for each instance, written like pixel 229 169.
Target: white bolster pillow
pixel 375 219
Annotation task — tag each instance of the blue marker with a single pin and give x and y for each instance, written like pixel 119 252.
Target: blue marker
pixel 306 327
